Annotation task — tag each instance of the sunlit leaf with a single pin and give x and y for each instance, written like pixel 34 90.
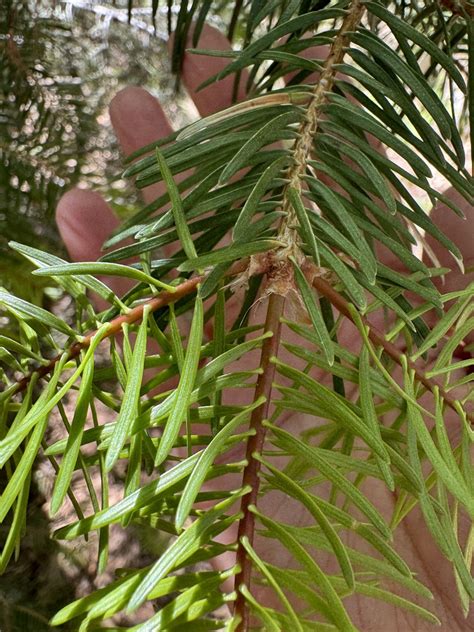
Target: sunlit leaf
pixel 198 475
pixel 8 301
pixel 315 315
pixel 98 267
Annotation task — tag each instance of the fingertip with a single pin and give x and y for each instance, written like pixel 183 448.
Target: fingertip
pixel 458 229
pixel 197 68
pixel 84 222
pixel 138 118
pixel 460 232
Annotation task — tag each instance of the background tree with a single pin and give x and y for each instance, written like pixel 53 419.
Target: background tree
pixel 61 65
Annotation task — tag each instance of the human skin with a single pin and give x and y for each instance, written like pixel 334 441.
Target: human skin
pixel 85 221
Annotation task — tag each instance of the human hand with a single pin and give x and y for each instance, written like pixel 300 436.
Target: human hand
pixel 85 221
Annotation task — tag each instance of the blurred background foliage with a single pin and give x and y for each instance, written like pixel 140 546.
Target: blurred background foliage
pixel 61 64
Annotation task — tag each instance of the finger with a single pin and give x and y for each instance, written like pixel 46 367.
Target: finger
pixel 138 119
pixel 460 232
pixel 84 222
pixel 197 68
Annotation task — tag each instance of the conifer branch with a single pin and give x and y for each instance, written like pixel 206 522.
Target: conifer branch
pixel 378 338
pixel 302 151
pixel 287 234
pixel 134 315
pixel 271 141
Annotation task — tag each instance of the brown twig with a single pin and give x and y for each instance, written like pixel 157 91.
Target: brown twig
pixel 378 338
pixel 135 314
pixel 254 446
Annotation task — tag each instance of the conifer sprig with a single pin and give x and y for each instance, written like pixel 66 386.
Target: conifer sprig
pixel 283 201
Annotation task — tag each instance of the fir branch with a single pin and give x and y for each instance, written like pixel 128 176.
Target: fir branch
pixel 377 337
pixel 287 234
pixel 134 315
pixel 288 242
